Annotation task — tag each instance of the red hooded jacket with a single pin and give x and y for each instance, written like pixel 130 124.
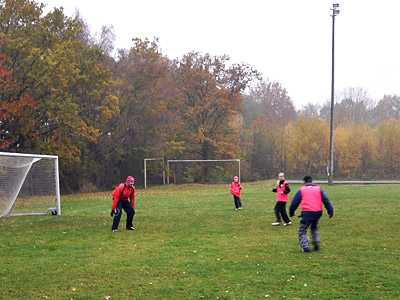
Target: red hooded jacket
pixel 123 192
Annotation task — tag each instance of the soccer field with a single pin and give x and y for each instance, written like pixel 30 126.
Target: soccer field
pixel 190 243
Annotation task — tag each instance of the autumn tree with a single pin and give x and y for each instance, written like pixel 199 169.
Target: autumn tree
pixel 310 110
pixel 363 135
pixel 103 40
pixel 353 150
pixel 140 129
pixel 16 107
pixel 208 103
pixel 66 79
pixel 387 141
pixel 266 151
pixel 307 148
pixel 85 35
pixel 387 108
pixel 341 116
pixel 352 106
pixel 274 102
pixel 267 109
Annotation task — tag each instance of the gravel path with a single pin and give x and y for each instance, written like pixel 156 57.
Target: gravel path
pixel 350 181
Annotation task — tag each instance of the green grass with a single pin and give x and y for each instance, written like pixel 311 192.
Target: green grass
pixel 190 243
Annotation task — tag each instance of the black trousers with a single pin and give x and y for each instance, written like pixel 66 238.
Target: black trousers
pixel 127 206
pixel 238 202
pixel 280 210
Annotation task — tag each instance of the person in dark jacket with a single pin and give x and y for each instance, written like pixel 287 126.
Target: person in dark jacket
pixel 282 197
pixel 310 197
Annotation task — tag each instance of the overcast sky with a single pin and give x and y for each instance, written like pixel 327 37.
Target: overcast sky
pixel 289 41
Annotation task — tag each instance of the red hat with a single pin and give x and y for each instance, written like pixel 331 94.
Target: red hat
pixel 130 178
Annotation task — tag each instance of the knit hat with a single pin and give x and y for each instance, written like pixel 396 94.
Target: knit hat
pixel 130 178
pixel 235 177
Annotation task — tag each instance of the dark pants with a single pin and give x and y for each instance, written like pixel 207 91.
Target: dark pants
pixel 127 206
pixel 238 202
pixel 303 238
pixel 280 210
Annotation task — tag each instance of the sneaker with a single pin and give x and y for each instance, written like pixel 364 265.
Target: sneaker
pixel 306 250
pixel 236 209
pixel 287 224
pixel 240 208
pixel 316 247
pixel 276 223
pixel 114 230
pixel 131 228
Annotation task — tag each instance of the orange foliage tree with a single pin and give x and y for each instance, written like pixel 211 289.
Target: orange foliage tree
pixel 353 150
pixel 208 103
pixel 308 146
pixel 16 107
pixel 387 141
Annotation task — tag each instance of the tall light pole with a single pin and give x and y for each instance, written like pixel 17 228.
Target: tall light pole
pixel 335 12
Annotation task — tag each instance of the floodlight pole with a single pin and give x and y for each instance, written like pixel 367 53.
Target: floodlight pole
pixel 335 12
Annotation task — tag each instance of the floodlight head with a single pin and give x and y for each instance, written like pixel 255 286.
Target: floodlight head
pixel 336 5
pixel 336 12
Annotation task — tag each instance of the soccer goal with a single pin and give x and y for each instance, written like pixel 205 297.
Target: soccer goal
pixel 161 160
pixel 209 163
pixel 29 184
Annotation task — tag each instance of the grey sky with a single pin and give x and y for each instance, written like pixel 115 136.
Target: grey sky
pixel 286 40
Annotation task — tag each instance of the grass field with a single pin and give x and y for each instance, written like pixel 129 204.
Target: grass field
pixel 190 243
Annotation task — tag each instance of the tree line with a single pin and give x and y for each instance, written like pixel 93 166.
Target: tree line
pixel 366 135
pixel 67 92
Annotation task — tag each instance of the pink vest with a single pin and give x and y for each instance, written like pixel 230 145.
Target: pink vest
pixel 236 189
pixel 279 196
pixel 311 199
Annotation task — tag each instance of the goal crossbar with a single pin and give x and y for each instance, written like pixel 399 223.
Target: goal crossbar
pixel 27 155
pixel 201 160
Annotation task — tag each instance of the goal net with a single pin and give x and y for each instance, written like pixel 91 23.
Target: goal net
pixel 29 184
pixel 202 171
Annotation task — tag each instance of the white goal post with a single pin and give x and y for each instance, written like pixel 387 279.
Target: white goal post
pixel 145 169
pixel 29 184
pixel 201 160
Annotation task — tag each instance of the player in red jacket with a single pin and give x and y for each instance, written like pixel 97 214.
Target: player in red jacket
pixel 121 195
pixel 236 189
